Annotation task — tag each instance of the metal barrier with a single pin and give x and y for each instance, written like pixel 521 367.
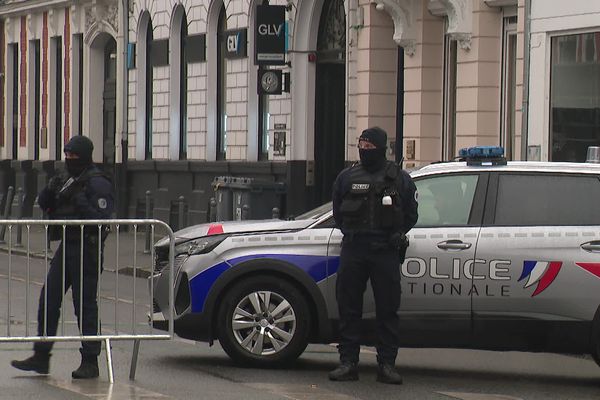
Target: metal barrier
pixel 107 290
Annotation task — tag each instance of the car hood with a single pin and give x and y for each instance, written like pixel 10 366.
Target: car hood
pixel 235 227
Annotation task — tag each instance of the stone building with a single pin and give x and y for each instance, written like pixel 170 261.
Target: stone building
pixel 438 75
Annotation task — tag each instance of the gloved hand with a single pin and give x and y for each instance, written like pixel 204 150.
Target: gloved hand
pixel 399 240
pixel 55 183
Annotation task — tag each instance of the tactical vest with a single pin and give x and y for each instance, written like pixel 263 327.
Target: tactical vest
pixel 66 207
pixel 363 208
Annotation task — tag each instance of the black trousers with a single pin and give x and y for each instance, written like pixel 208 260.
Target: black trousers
pixel 87 320
pixel 360 261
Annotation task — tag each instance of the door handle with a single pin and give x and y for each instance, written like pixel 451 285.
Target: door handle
pixel 453 245
pixel 592 247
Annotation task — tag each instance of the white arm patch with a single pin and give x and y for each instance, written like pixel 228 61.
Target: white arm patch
pixel 102 203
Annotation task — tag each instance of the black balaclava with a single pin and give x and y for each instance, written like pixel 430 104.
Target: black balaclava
pixel 83 147
pixel 373 159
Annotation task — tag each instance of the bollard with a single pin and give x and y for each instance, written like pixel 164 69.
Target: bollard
pixel 212 210
pixel 148 216
pixel 181 212
pixel 275 213
pixel 20 205
pixel 245 212
pixel 7 205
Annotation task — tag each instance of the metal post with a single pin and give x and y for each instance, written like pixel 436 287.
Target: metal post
pixel 245 212
pixel 212 211
pixel 181 211
pixel 275 213
pixel 7 205
pixel 148 216
pixel 134 358
pixel 20 205
pixel 109 363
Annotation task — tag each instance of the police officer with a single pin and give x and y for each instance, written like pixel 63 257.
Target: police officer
pixel 87 194
pixel 375 205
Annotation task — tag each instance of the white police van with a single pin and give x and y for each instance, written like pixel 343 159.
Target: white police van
pixel 504 256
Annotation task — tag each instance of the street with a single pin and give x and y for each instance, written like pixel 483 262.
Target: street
pixel 182 369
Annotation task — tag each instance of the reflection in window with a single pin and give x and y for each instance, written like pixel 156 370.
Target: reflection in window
pixel 551 200
pixel 446 200
pixel 575 96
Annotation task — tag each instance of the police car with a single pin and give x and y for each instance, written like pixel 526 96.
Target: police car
pixel 504 256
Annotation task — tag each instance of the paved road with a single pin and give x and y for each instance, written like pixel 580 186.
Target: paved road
pixel 181 369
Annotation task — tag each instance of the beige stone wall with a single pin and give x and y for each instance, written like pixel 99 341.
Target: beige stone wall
pixel 423 74
pixel 376 76
pixel 478 81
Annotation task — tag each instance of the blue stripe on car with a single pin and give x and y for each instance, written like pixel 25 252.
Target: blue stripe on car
pixel 315 266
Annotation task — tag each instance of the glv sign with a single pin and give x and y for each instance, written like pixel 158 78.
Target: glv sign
pixel 235 43
pixel 270 35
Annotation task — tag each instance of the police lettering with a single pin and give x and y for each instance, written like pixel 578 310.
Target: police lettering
pixel 415 267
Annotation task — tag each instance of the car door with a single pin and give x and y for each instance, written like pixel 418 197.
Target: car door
pixel 436 275
pixel 540 253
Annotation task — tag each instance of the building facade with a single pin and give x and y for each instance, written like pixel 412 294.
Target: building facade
pixel 174 103
pixel 564 96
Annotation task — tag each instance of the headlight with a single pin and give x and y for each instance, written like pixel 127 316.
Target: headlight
pixel 199 246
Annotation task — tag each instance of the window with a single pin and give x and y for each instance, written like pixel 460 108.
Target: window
pixel 446 200
pixel 183 93
pixel 575 96
pixel 37 78
pixel 58 93
pixel 509 85
pixel 221 86
pixel 449 112
pixel 545 199
pixel 14 50
pixel 149 92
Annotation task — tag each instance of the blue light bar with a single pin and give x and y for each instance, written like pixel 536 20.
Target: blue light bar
pixel 481 152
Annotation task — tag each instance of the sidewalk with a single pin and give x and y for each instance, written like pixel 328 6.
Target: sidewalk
pixel 35 240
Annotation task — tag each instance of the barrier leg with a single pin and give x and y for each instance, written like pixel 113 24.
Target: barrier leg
pixel 134 357
pixel 109 364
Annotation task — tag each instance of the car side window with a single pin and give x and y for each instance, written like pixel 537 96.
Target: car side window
pixel 446 200
pixel 547 199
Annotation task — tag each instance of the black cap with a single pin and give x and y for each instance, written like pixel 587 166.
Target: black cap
pixel 82 146
pixel 376 136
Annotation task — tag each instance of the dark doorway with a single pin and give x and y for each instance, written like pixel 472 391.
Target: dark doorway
pixel 110 106
pixel 398 150
pixel 330 95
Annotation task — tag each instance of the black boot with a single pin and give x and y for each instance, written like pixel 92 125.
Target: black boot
pixel 386 373
pixel 88 369
pixel 346 371
pixel 38 362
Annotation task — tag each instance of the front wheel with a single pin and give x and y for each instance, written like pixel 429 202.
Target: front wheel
pixel 264 321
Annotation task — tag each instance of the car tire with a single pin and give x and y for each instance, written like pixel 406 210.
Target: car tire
pixel 264 321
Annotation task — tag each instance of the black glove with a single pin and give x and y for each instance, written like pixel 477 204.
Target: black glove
pixel 399 240
pixel 55 184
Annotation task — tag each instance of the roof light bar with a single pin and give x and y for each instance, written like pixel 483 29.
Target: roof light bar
pixel 483 155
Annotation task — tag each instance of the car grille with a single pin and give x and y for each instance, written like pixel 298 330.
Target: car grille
pixel 161 261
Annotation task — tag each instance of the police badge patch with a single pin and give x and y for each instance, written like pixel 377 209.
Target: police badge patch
pixel 102 203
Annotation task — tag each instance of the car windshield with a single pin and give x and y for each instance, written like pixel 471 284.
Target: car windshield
pixel 316 212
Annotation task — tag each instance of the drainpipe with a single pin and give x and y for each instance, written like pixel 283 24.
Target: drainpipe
pixel 123 200
pixel 526 73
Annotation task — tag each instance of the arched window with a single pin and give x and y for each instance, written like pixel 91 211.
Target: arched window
pixel 221 86
pixel 183 98
pixel 149 92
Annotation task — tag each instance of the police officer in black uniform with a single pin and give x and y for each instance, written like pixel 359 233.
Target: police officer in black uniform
pixel 86 194
pixel 375 205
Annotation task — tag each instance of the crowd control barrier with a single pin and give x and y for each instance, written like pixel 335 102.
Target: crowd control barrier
pixel 120 296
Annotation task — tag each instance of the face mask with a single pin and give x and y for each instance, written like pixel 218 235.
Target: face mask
pixel 75 166
pixel 371 157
